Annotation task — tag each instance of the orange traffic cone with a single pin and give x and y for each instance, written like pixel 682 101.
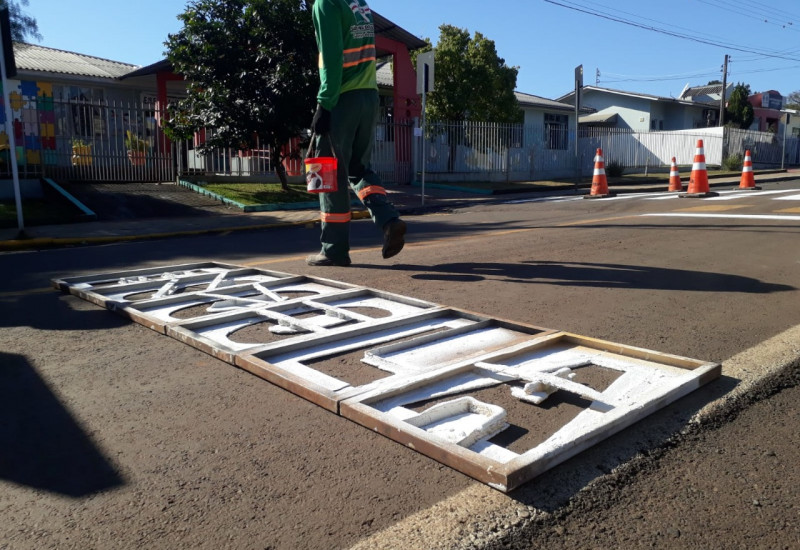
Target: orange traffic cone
pixel 748 180
pixel 674 177
pixel 599 181
pixel 698 182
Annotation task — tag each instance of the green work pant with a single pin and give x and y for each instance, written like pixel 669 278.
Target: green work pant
pixel 353 123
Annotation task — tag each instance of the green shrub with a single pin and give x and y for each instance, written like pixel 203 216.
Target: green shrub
pixel 733 162
pixel 615 169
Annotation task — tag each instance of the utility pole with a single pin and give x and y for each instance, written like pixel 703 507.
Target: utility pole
pixel 578 86
pixel 724 86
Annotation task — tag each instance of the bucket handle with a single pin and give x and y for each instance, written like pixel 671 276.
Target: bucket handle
pixel 311 145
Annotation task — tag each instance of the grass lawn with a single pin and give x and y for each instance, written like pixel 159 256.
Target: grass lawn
pixel 261 193
pixel 37 212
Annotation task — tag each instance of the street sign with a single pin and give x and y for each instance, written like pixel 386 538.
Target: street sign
pixel 425 72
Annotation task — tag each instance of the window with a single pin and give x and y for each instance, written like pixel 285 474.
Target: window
pixel 556 134
pixel 384 131
pixel 83 113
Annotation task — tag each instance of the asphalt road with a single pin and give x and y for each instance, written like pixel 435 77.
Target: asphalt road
pixel 113 436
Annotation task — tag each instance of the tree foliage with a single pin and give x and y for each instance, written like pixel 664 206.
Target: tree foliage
pixel 250 67
pixel 739 112
pixel 472 81
pixel 22 24
pixel 793 100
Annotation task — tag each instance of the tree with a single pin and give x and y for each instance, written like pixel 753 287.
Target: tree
pixel 472 81
pixel 739 112
pixel 22 24
pixel 793 100
pixel 251 71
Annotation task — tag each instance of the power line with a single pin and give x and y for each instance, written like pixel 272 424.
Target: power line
pixel 673 34
pixel 749 14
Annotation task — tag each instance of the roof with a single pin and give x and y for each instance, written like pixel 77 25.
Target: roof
pixel 599 118
pixel 386 28
pixel 701 90
pixel 30 57
pixel 566 97
pixel 529 100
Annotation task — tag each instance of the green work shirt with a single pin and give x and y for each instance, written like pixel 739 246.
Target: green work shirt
pixel 346 41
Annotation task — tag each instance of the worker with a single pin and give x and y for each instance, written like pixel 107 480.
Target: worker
pixel 347 111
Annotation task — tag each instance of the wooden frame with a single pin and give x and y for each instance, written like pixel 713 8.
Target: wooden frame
pixel 210 334
pixel 107 289
pixel 680 376
pixel 157 313
pixel 283 363
pixel 427 353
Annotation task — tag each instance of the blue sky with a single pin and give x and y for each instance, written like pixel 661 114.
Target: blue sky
pixel 544 39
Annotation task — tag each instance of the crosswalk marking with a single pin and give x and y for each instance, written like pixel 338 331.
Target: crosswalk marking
pixel 725 216
pixel 724 195
pixel 713 208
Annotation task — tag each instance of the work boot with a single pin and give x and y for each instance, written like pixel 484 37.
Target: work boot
pixel 393 237
pixel 322 260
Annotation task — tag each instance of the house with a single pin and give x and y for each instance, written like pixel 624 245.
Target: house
pixel 711 95
pixel 554 117
pixel 54 98
pixel 638 111
pixel 60 99
pixel 767 108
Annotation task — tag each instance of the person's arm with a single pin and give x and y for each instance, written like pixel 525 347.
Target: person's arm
pixel 327 17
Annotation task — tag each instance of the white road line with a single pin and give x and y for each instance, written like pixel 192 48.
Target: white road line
pixel 727 216
pixel 544 199
pixel 731 195
pixel 789 198
pixel 673 195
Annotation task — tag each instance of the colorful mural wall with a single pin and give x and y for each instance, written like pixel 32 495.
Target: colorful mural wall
pixel 32 121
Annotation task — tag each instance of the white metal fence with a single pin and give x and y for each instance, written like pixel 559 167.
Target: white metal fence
pixel 81 140
pixel 85 140
pixel 479 151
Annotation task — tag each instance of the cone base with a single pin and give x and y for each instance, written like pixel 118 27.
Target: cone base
pixel 599 196
pixel 754 188
pixel 698 195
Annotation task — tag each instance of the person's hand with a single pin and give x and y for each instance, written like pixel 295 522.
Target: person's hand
pixel 322 121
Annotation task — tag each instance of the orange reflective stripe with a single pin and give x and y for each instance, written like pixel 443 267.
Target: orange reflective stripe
pixel 356 56
pixel 371 190
pixel 329 217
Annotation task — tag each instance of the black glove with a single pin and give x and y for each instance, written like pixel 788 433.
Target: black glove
pixel 322 121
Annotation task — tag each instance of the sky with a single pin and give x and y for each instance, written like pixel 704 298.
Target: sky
pixel 646 46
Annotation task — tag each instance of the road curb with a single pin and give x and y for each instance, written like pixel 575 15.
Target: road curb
pixel 34 243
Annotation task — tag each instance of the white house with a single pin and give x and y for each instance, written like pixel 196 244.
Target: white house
pixel 638 111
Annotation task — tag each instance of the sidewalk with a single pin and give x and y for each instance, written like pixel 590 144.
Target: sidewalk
pixel 407 199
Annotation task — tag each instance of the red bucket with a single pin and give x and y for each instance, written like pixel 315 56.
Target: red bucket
pixel 321 174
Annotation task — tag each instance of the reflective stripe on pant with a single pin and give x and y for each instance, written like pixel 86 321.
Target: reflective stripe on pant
pixel 353 122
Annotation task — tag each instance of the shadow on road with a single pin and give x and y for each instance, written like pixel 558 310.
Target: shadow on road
pixel 52 310
pixel 41 444
pixel 592 275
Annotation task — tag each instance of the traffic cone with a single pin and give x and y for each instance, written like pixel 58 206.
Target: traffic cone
pixel 599 181
pixel 698 182
pixel 748 180
pixel 674 177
